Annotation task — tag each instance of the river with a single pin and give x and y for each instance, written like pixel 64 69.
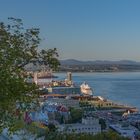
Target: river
pixel 121 87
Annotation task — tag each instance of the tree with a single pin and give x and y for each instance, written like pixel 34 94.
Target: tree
pixel 73 136
pixel 51 127
pixel 18 47
pixel 102 123
pixel 76 115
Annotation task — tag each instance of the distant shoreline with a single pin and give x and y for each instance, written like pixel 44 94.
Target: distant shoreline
pixel 97 71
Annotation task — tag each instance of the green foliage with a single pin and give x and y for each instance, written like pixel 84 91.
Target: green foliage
pixel 51 127
pixel 76 115
pixel 101 136
pixel 18 47
pixel 37 130
pixel 84 103
pixel 102 123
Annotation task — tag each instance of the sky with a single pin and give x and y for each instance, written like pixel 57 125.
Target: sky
pixel 82 29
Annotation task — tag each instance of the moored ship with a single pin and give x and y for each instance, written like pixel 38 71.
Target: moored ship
pixel 86 89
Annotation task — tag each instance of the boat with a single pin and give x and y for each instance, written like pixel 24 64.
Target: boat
pixel 86 89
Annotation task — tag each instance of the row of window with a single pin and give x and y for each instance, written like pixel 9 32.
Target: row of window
pixel 84 128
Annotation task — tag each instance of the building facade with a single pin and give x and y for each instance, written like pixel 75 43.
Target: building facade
pixel 65 102
pixel 89 125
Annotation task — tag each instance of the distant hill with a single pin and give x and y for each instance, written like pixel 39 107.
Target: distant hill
pixel 85 66
pixel 98 62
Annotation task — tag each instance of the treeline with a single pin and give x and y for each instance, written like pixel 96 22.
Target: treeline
pixel 101 136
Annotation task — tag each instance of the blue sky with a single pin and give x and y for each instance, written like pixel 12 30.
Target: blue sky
pixel 82 29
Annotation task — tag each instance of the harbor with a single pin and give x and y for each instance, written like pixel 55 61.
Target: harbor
pixel 59 92
pixel 60 99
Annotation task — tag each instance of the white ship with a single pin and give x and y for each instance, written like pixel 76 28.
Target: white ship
pixel 86 89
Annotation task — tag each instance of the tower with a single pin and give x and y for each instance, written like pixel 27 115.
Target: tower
pixel 69 76
pixel 35 78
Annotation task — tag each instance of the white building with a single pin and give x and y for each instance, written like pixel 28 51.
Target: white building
pixel 89 125
pixel 125 131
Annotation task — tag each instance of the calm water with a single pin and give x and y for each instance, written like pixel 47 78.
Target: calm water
pixel 120 87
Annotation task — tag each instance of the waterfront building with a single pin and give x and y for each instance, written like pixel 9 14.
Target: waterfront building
pixel 64 90
pixel 65 102
pixel 101 103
